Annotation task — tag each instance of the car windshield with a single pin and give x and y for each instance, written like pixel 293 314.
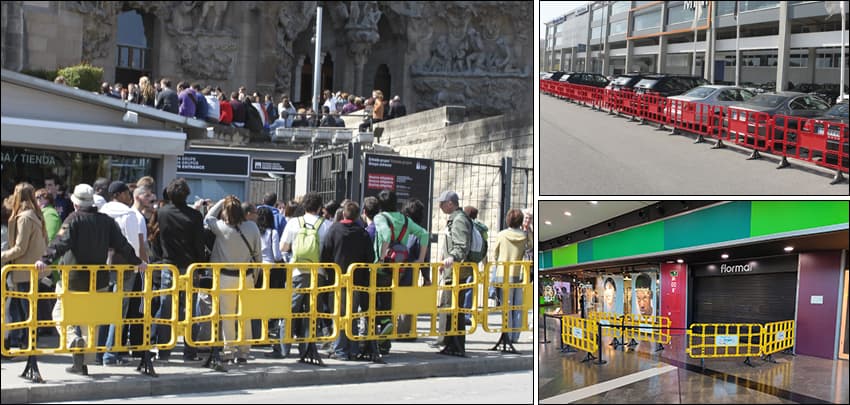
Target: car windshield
pixel 647 83
pixel 767 100
pixel 700 92
pixel 838 110
pixel 622 80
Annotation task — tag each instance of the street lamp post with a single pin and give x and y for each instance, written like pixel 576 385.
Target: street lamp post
pixel 316 65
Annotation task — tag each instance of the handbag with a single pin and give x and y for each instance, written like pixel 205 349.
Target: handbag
pixel 250 252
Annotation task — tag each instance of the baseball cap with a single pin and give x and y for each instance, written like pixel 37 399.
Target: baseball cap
pixel 448 196
pixel 117 186
pixel 83 195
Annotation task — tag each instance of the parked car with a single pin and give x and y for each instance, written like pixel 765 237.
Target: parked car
pixel 553 76
pixel 587 79
pixel 626 81
pixel 821 125
pixel 668 85
pixel 797 106
pixel 713 95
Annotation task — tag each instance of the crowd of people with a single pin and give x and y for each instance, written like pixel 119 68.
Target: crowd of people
pixel 114 222
pixel 255 111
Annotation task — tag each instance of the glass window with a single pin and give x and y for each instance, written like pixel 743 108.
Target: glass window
pixel 595 32
pixel 123 57
pixel 131 31
pixel 756 5
pixel 597 15
pixel 725 7
pixel 768 100
pixel 679 14
pixel 824 60
pixel 620 7
pixel 700 92
pixel 648 20
pixel 619 27
pixel 799 60
pixel 746 94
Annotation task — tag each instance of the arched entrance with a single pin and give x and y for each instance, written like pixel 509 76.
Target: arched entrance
pixel 383 81
pixel 134 44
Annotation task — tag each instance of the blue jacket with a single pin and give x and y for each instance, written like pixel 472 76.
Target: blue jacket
pixel 279 219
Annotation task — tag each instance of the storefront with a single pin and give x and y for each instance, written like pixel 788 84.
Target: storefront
pixel 757 290
pixel 77 136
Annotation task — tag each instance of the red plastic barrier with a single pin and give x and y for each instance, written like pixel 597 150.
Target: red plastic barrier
pixel 749 128
pixel 690 116
pixel 656 108
pixel 824 143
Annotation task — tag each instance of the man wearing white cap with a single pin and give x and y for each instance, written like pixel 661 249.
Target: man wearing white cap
pixel 88 235
pixel 456 249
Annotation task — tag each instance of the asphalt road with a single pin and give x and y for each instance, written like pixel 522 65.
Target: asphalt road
pixel 504 388
pixel 587 152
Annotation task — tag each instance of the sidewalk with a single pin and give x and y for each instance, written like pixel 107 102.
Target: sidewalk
pixel 407 360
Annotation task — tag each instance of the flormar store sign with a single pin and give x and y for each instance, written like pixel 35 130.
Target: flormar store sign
pixel 776 264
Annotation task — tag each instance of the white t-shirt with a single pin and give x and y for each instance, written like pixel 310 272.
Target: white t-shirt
pixel 294 225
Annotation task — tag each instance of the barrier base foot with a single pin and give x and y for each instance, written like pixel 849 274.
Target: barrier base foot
pixel 789 352
pixel 755 155
pixel 700 139
pixel 661 127
pixel 146 364
pixel 311 356
pixel 748 362
pixel 674 131
pixel 719 145
pixel 214 361
pixel 659 347
pixel 615 343
pixel 568 349
pixel 633 342
pixel 632 118
pixel 589 357
pixel 31 371
pixel 371 353
pixel 505 343
pixel 783 163
pixel 769 358
pixel 838 178
pixel 642 121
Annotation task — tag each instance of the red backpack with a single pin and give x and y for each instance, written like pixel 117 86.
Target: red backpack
pixel 397 251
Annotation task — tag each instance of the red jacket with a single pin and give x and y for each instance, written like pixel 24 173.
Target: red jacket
pixel 226 115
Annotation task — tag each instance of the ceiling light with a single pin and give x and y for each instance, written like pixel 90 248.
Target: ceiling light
pixel 789 248
pixel 679 261
pixel 547 222
pixel 594 202
pixel 567 213
pixel 724 256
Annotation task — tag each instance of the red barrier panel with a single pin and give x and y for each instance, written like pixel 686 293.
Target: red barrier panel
pixel 656 108
pixel 690 116
pixel 824 143
pixel 749 128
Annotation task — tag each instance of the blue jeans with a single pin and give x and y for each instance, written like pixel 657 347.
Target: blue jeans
pixel 19 312
pixel 515 320
pixel 129 278
pixel 161 334
pixel 301 304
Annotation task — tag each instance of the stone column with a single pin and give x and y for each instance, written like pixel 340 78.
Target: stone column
pixel 360 48
pixel 784 47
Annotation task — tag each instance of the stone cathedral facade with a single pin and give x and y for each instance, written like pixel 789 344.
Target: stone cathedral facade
pixel 476 54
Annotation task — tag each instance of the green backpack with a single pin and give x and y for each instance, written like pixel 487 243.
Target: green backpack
pixel 305 246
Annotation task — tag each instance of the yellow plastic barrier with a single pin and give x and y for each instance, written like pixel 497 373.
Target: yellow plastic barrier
pixel 580 333
pixel 512 276
pixel 649 328
pixel 777 336
pixel 610 319
pixel 372 285
pixel 713 340
pixel 87 310
pixel 263 304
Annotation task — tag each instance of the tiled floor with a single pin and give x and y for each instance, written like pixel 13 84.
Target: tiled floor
pixel 670 376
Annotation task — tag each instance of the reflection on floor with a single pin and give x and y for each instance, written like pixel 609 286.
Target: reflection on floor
pixel 643 375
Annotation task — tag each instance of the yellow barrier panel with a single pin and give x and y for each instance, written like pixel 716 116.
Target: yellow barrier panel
pixel 378 299
pixel 712 340
pixel 611 319
pixel 580 333
pixel 234 298
pixel 510 278
pixel 648 328
pixel 777 336
pixel 86 311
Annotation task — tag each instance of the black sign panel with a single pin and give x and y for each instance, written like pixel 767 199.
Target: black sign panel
pixel 777 264
pixel 213 164
pixel 408 177
pixel 273 166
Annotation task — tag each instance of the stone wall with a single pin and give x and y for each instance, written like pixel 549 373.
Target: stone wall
pixel 469 155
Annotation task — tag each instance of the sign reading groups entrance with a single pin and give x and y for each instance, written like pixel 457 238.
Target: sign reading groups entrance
pixel 726 268
pixel 408 177
pixel 213 164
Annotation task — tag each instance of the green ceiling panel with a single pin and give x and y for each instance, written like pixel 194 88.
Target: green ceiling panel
pixel 771 217
pixel 711 225
pixel 565 256
pixel 644 239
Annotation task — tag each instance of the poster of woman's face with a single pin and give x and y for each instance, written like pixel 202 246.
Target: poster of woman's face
pixel 644 286
pixel 611 291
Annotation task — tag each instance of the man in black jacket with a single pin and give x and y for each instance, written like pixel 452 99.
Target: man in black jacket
pixel 347 242
pixel 181 233
pixel 88 235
